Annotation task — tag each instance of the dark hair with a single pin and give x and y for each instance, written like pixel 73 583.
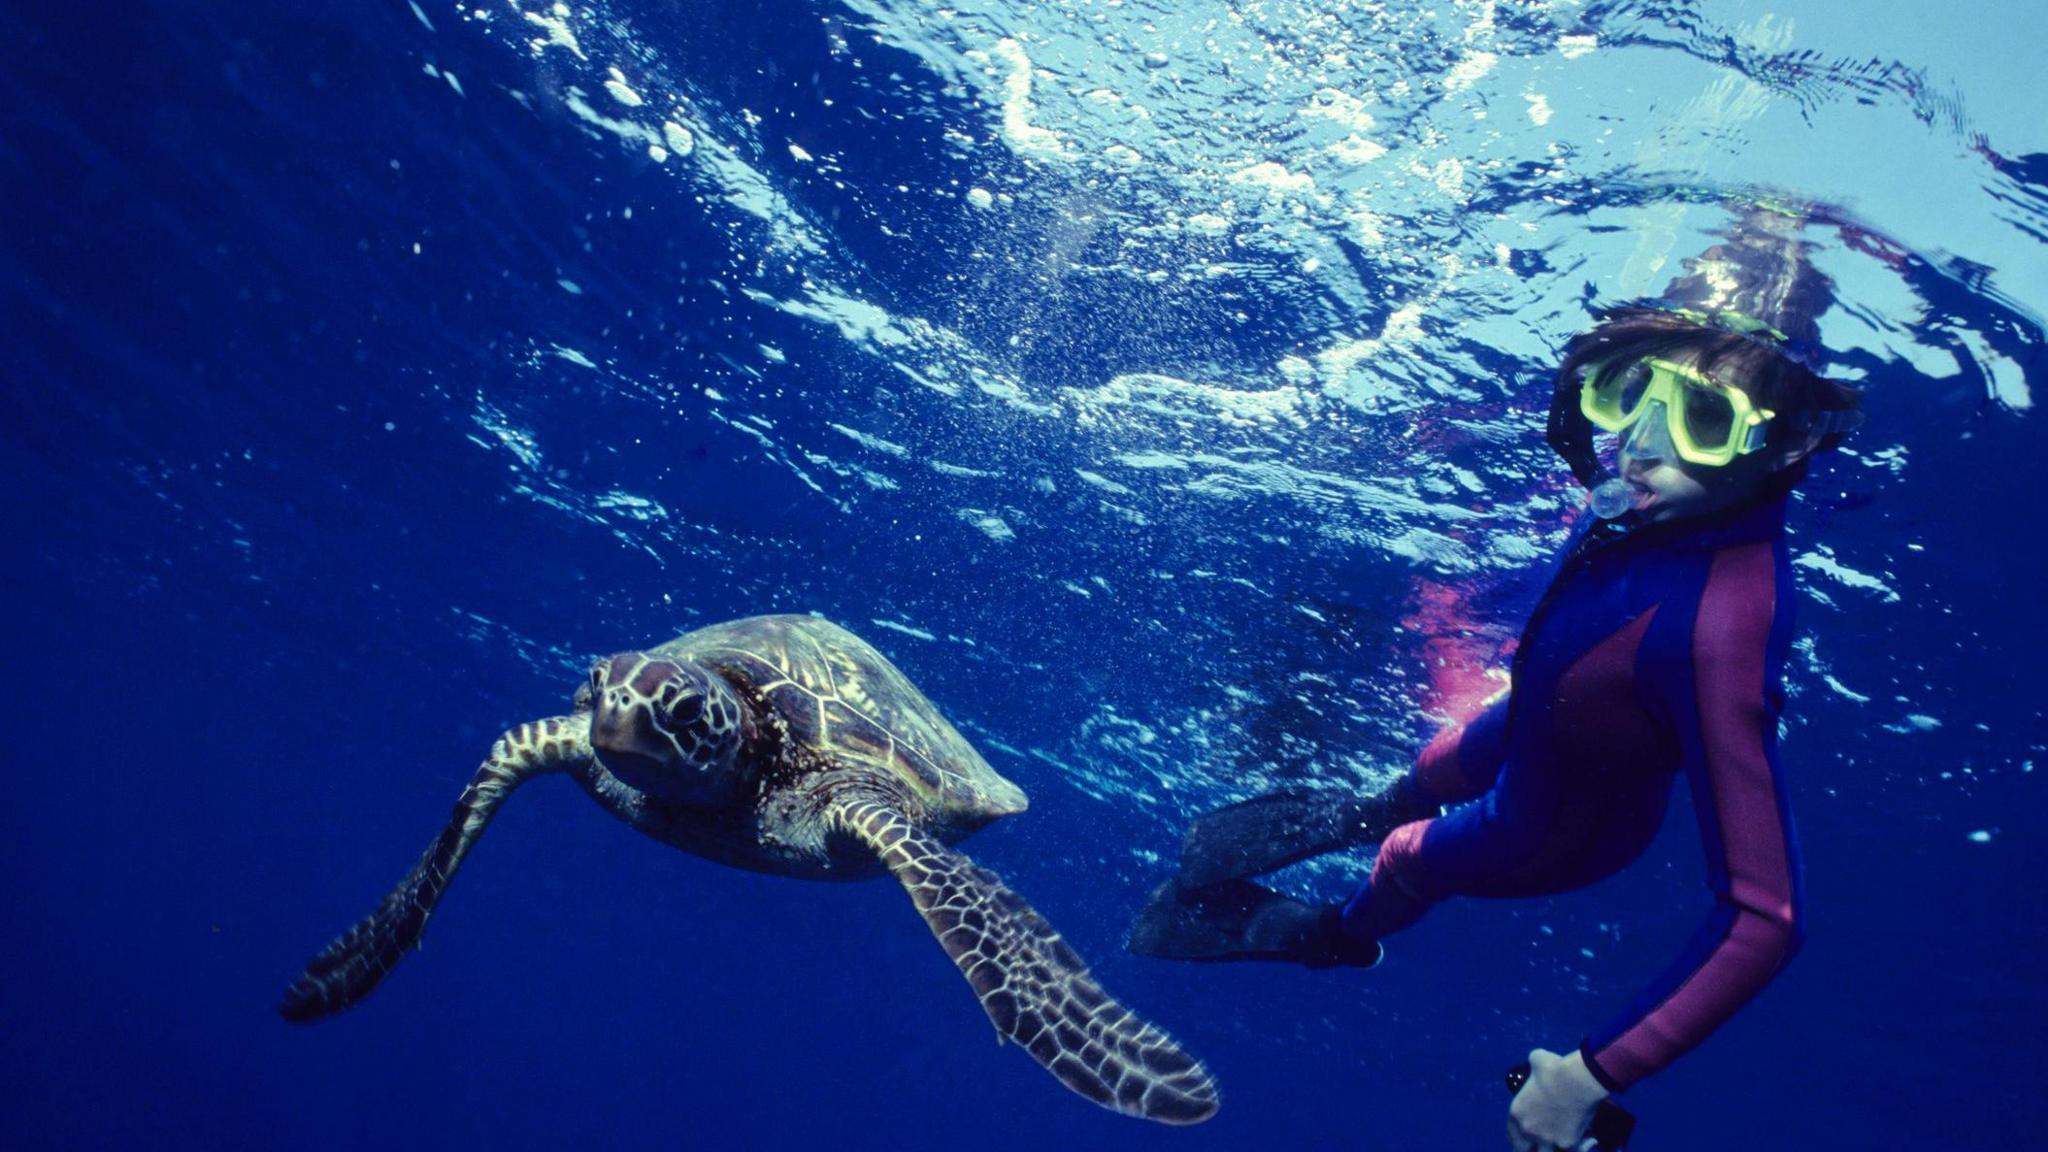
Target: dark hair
pixel 1755 362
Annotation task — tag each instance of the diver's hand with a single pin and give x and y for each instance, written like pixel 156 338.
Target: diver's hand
pixel 1554 1109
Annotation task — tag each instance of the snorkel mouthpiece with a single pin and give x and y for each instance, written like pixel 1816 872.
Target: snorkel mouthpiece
pixel 1612 498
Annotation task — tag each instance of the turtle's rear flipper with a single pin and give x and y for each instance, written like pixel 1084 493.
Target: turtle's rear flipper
pixel 1033 986
pixel 349 968
pixel 1269 832
pixel 1233 920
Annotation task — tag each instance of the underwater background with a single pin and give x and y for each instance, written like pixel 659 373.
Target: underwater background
pixel 1160 385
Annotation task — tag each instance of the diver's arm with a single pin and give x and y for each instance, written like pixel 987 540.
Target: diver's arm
pixel 1728 727
pixel 1464 759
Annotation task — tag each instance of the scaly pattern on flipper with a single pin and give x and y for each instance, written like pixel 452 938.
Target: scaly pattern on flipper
pixel 349 968
pixel 1034 987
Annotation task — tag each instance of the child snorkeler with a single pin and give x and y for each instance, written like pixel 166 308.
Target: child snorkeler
pixel 1655 651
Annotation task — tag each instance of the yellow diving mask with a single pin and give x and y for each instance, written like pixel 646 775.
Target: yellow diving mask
pixel 1707 423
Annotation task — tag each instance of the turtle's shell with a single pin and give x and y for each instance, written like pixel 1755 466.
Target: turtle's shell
pixel 838 695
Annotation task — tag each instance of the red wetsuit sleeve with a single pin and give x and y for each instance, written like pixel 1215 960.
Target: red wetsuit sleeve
pixel 1464 759
pixel 1726 718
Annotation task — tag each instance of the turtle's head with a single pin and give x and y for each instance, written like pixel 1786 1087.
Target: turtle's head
pixel 669 728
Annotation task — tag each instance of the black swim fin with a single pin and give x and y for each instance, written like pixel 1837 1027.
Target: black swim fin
pixel 1239 920
pixel 1281 828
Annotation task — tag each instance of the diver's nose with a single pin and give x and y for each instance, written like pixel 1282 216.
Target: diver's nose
pixel 1634 463
pixel 1646 443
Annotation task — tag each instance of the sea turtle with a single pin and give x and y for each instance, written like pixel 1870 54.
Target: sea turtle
pixel 787 744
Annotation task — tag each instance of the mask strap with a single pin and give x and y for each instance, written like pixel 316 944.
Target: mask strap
pixel 1571 435
pixel 1835 421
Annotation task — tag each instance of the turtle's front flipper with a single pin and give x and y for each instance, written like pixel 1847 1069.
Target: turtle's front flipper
pixel 1032 985
pixel 351 966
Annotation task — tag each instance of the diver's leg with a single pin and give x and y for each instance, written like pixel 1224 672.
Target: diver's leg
pixel 1269 832
pixel 1387 902
pixel 1465 759
pixel 1496 845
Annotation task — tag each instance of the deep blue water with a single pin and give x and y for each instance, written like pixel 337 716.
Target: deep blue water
pixel 1136 376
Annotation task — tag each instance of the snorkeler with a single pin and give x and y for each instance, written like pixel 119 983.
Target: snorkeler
pixel 1656 650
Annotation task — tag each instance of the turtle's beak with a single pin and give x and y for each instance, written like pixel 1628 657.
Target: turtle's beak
pixel 1006 799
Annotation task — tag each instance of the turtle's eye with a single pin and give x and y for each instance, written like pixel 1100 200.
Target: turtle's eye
pixel 680 703
pixel 667 728
pixel 587 693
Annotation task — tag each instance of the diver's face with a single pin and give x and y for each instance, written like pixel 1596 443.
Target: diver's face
pixel 1664 485
pixel 1668 488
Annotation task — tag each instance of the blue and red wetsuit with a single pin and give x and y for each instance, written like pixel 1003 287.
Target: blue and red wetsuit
pixel 1657 649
